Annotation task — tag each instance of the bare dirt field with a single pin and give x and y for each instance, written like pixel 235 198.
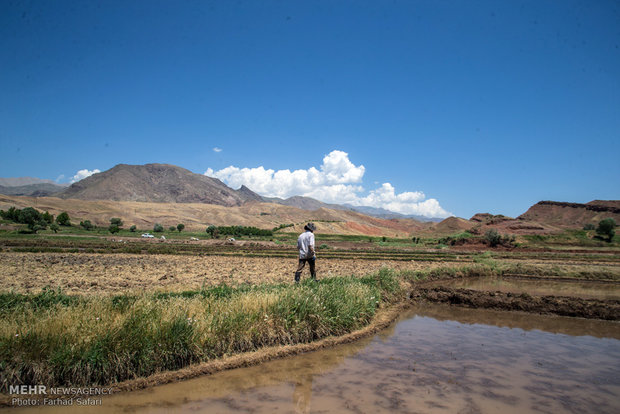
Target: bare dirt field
pixel 120 273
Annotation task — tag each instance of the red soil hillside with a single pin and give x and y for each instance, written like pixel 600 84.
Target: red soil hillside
pixel 572 215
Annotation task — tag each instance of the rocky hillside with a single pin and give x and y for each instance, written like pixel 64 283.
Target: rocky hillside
pixel 159 183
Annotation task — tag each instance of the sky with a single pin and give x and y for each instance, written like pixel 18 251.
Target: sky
pixel 433 108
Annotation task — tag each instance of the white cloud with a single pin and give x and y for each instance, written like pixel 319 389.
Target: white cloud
pixel 216 149
pixel 337 180
pixel 80 175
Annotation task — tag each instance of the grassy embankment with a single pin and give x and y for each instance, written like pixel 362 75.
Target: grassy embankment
pixel 55 339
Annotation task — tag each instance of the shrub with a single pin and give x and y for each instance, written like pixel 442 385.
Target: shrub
pixel 606 227
pixel 589 226
pixel 63 219
pixel 113 228
pixel 133 228
pixel 115 221
pixel 54 227
pixel 180 227
pixel 158 228
pixel 172 228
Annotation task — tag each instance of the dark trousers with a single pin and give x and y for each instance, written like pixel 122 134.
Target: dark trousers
pixel 302 264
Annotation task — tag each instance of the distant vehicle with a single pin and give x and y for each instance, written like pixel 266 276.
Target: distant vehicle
pixel 147 236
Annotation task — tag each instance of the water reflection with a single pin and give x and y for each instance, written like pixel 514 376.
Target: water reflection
pixel 435 359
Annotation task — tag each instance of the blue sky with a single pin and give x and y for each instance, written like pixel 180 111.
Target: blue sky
pixel 480 106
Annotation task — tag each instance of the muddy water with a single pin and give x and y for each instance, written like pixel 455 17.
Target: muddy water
pixel 436 359
pixel 582 289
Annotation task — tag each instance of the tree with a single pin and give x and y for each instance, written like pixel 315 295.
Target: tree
pixel 87 225
pixel 33 218
pixel 49 218
pixel 133 228
pixel 63 219
pixel 180 227
pixel 211 229
pixel 158 228
pixel 113 228
pixel 115 221
pixel 606 227
pixel 11 214
pixel 54 227
pixel 172 228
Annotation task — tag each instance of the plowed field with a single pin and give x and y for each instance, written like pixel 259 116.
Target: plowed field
pixel 119 273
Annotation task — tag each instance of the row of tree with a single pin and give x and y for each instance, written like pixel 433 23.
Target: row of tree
pixel 35 220
pixel 237 231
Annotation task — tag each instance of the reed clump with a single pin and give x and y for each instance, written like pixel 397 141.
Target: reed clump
pixel 54 339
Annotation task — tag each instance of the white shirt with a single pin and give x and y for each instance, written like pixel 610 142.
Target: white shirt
pixel 304 241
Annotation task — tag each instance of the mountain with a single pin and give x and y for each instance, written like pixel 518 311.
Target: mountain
pixel 33 190
pixel 158 183
pixel 556 213
pixel 23 181
pixel 29 186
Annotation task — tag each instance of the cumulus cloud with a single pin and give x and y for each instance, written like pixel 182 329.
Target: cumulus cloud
pixel 216 149
pixel 80 175
pixel 337 180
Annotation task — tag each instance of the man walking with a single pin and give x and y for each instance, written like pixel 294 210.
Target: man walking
pixel 305 244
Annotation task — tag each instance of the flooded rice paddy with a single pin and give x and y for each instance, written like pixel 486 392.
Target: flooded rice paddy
pixel 539 287
pixel 435 359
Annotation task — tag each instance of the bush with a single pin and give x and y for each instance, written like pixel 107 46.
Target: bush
pixel 158 228
pixel 180 227
pixel 589 226
pixel 113 228
pixel 87 225
pixel 115 221
pixel 133 228
pixel 63 219
pixel 54 227
pixel 493 237
pixel 606 227
pixel 172 228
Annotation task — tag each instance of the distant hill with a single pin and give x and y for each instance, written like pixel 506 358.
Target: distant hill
pixel 304 203
pixel 33 190
pixel 556 213
pixel 307 203
pixel 158 183
pixel 23 181
pixel 197 216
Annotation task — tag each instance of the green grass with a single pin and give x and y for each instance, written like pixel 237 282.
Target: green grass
pixel 56 339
